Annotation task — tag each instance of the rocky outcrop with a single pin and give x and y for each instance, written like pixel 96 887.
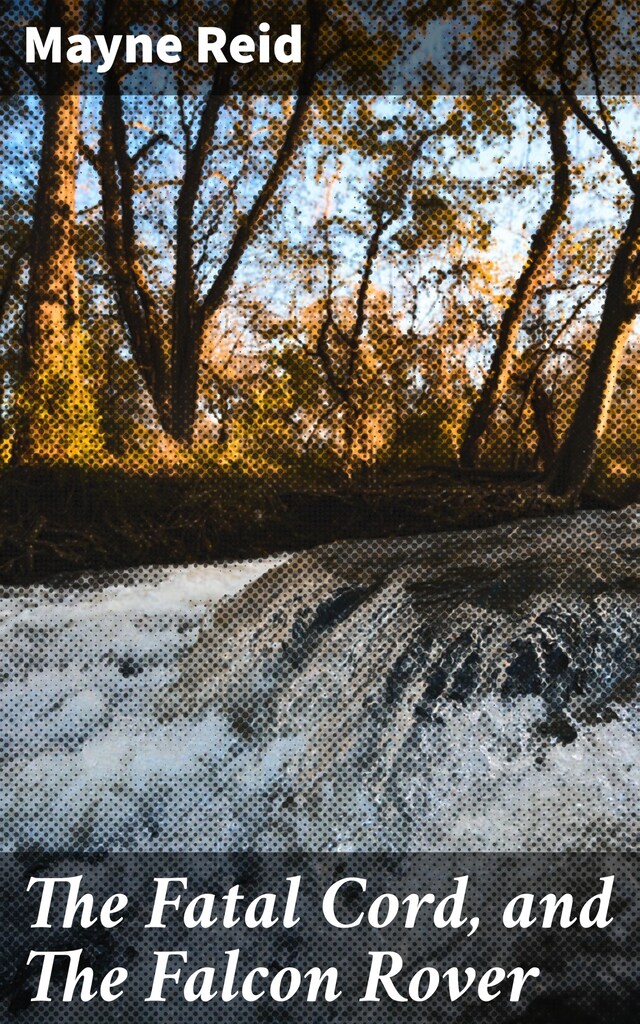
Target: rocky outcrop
pixel 383 633
pixel 468 691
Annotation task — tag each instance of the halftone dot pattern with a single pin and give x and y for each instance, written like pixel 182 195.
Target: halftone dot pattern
pixel 587 974
pixel 320 447
pixel 471 690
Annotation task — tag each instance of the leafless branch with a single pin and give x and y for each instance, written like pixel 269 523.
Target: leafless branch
pixel 20 63
pixel 603 135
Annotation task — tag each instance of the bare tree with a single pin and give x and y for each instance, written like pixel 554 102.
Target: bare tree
pixel 343 379
pixel 171 368
pixel 572 465
pixel 555 111
pixel 55 415
pixel 531 276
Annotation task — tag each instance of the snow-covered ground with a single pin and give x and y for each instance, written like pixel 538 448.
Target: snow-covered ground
pixel 92 758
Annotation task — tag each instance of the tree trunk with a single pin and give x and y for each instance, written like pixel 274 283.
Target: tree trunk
pixel 56 415
pixel 137 304
pixel 190 324
pixel 576 454
pixel 542 408
pixel 530 278
pixel 169 355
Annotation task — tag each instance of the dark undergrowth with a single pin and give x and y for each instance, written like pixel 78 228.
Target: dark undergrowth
pixel 62 520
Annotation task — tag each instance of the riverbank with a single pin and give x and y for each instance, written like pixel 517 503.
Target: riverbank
pixel 469 691
pixel 57 521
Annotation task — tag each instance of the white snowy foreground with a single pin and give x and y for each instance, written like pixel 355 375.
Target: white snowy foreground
pixel 115 736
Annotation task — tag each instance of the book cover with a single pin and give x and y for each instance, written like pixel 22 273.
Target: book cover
pixel 318 510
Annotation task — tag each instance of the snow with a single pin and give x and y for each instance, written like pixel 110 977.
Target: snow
pixel 91 762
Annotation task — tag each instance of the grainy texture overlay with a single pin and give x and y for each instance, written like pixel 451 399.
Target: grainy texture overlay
pixel 319 448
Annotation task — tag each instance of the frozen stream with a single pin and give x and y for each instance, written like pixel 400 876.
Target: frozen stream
pixel 469 691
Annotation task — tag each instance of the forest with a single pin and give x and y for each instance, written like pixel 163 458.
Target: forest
pixel 389 289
